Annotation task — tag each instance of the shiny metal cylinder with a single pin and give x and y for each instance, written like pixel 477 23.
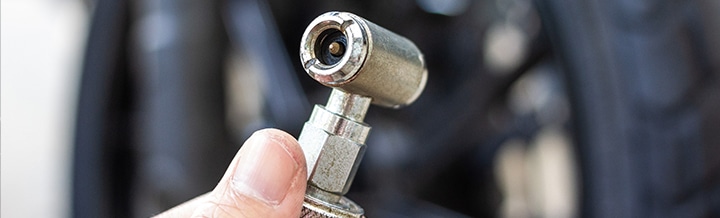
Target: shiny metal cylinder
pixel 351 106
pixel 363 63
pixel 347 52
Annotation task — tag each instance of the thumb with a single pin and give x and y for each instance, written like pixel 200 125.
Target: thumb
pixel 267 178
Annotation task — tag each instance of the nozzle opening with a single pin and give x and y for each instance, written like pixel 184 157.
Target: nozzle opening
pixel 330 46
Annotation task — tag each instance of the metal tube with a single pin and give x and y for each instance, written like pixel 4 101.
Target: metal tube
pixel 363 63
pixel 376 62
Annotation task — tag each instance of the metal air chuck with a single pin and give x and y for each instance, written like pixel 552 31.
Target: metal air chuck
pixel 363 63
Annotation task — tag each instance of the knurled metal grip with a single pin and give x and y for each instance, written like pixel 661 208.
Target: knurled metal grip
pixel 363 63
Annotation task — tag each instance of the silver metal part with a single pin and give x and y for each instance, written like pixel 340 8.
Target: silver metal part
pixel 345 208
pixel 376 63
pixel 333 141
pixel 376 66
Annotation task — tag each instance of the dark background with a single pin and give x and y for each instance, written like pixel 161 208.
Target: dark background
pixel 171 89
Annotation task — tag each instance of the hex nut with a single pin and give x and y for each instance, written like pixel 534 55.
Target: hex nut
pixel 332 160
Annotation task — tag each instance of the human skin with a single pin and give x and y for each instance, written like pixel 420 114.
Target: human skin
pixel 267 178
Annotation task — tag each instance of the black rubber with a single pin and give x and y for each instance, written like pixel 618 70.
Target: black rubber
pixel 322 46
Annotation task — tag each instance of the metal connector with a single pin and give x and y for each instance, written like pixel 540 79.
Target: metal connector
pixel 363 63
pixel 376 62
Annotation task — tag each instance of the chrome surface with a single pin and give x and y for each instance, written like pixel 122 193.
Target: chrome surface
pixel 376 62
pixel 363 63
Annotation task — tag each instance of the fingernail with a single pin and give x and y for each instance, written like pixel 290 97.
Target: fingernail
pixel 266 169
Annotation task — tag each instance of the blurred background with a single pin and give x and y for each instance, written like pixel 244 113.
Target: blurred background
pixel 533 108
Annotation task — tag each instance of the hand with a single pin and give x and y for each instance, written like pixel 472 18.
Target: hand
pixel 267 178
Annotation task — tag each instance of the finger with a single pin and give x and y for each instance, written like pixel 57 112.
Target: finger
pixel 267 178
pixel 185 209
